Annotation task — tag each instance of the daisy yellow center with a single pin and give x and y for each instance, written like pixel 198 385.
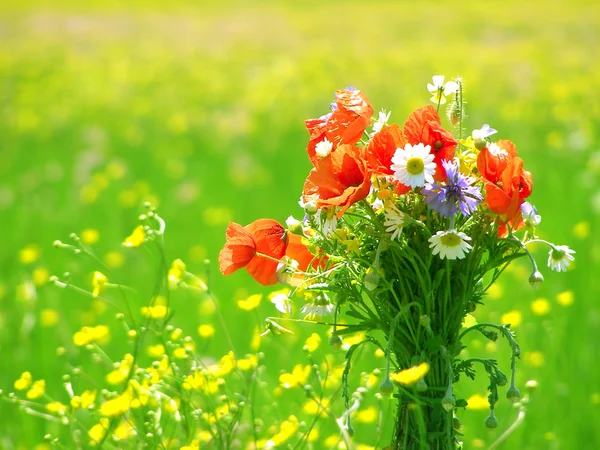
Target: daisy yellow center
pixel 415 166
pixel 450 240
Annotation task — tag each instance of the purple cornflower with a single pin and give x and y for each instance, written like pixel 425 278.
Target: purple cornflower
pixel 457 190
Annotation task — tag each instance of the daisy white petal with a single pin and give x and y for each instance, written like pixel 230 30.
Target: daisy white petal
pixel 282 303
pixel 560 257
pixel 394 222
pixel 450 244
pixel 413 166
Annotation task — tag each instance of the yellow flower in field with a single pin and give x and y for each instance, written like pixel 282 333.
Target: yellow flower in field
pixel 24 381
pixel 123 431
pixel 115 170
pixel 312 343
pixel 194 445
pixel 84 401
pixel 89 236
pixel 155 351
pixel 136 238
pixel 120 374
pixel 57 408
pixel 26 292
pixel 196 380
pixel 40 276
pixel 155 312
pixel 411 376
pixel 157 373
pixel 540 307
pixel 248 363
pixel 298 377
pixel 311 407
pixel 29 254
pixel 250 303
pixel 478 401
pixel 176 273
pixel 224 367
pixel 478 443
pixel 565 298
pixel 469 321
pixel 582 230
pixel 98 431
pixel 495 291
pixel 255 342
pixel 349 341
pixel 99 334
pixel 182 352
pixel 116 406
pixel 99 282
pixel 206 331
pixel 176 334
pixel 512 317
pixel 369 415
pixel 114 259
pixel 534 359
pixel 287 429
pixel 379 353
pixel 38 389
pixel 48 317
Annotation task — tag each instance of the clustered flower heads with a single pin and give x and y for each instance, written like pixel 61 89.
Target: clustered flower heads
pixel 394 177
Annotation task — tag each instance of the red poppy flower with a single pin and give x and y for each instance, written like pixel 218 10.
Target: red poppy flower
pixel 340 179
pixel 252 247
pixel 298 251
pixel 380 151
pixel 345 125
pixel 492 160
pixel 424 126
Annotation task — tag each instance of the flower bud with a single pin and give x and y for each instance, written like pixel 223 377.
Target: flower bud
pixel 491 422
pixel 293 225
pixel 501 379
pixel 531 385
pixel 535 279
pixel 386 388
pixel 456 423
pixel 371 279
pixel 310 208
pixel 425 321
pixel 513 394
pixel 421 385
pixel 335 342
pixel 448 402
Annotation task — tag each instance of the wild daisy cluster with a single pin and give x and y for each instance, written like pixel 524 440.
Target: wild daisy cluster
pixel 405 228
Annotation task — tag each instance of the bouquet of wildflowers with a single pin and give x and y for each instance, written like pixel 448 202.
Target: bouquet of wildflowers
pixel 405 228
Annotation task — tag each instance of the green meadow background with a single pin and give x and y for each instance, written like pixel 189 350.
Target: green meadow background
pixel 198 107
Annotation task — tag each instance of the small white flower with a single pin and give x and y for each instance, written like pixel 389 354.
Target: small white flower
pixel 328 221
pixel 440 90
pixel 323 148
pixel 381 122
pixel 282 302
pixel 560 257
pixel 496 150
pixel 286 269
pixel 450 244
pixel 320 306
pixel 413 166
pixel 394 221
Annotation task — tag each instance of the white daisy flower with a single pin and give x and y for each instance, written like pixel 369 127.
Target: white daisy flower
pixel 319 306
pixel 560 257
pixel 450 244
pixel 282 303
pixel 440 90
pixel 381 122
pixel 286 269
pixel 394 221
pixel 323 148
pixel 413 166
pixel 328 221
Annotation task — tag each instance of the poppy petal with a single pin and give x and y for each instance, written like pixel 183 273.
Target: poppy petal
pixel 239 249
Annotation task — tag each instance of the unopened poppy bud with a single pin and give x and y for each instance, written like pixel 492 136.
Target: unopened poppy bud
pixel 513 394
pixel 386 388
pixel 535 279
pixel 454 113
pixel 335 342
pixel 371 279
pixel 421 385
pixel 448 402
pixel 501 379
pixel 491 422
pixel 293 225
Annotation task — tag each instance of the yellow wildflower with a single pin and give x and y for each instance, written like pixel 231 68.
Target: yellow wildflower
pixel 87 335
pixel 582 230
pixel 26 292
pixel 176 273
pixel 249 363
pixel 38 389
pixel 298 377
pixel 478 401
pixel 411 376
pixel 368 415
pixel 255 342
pixel 57 408
pixel 48 317
pixel 155 312
pixel 98 431
pixel 89 236
pixel 540 307
pixel 29 254
pixel 120 374
pixel 534 359
pixel 495 291
pixel 250 303
pixel 40 276
pixel 116 406
pixel 155 351
pixel 312 343
pixel 136 238
pixel 311 407
pixel 287 429
pixel 379 353
pixel 123 431
pixel 565 298
pixel 99 282
pixel 206 331
pixel 225 366
pixel 469 321
pixel 114 259
pixel 160 370
pixel 512 317
pixel 84 401
pixel 23 382
pixel 181 352
pixel 478 443
pixel 194 445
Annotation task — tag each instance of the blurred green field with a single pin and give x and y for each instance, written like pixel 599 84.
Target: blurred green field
pixel 199 109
